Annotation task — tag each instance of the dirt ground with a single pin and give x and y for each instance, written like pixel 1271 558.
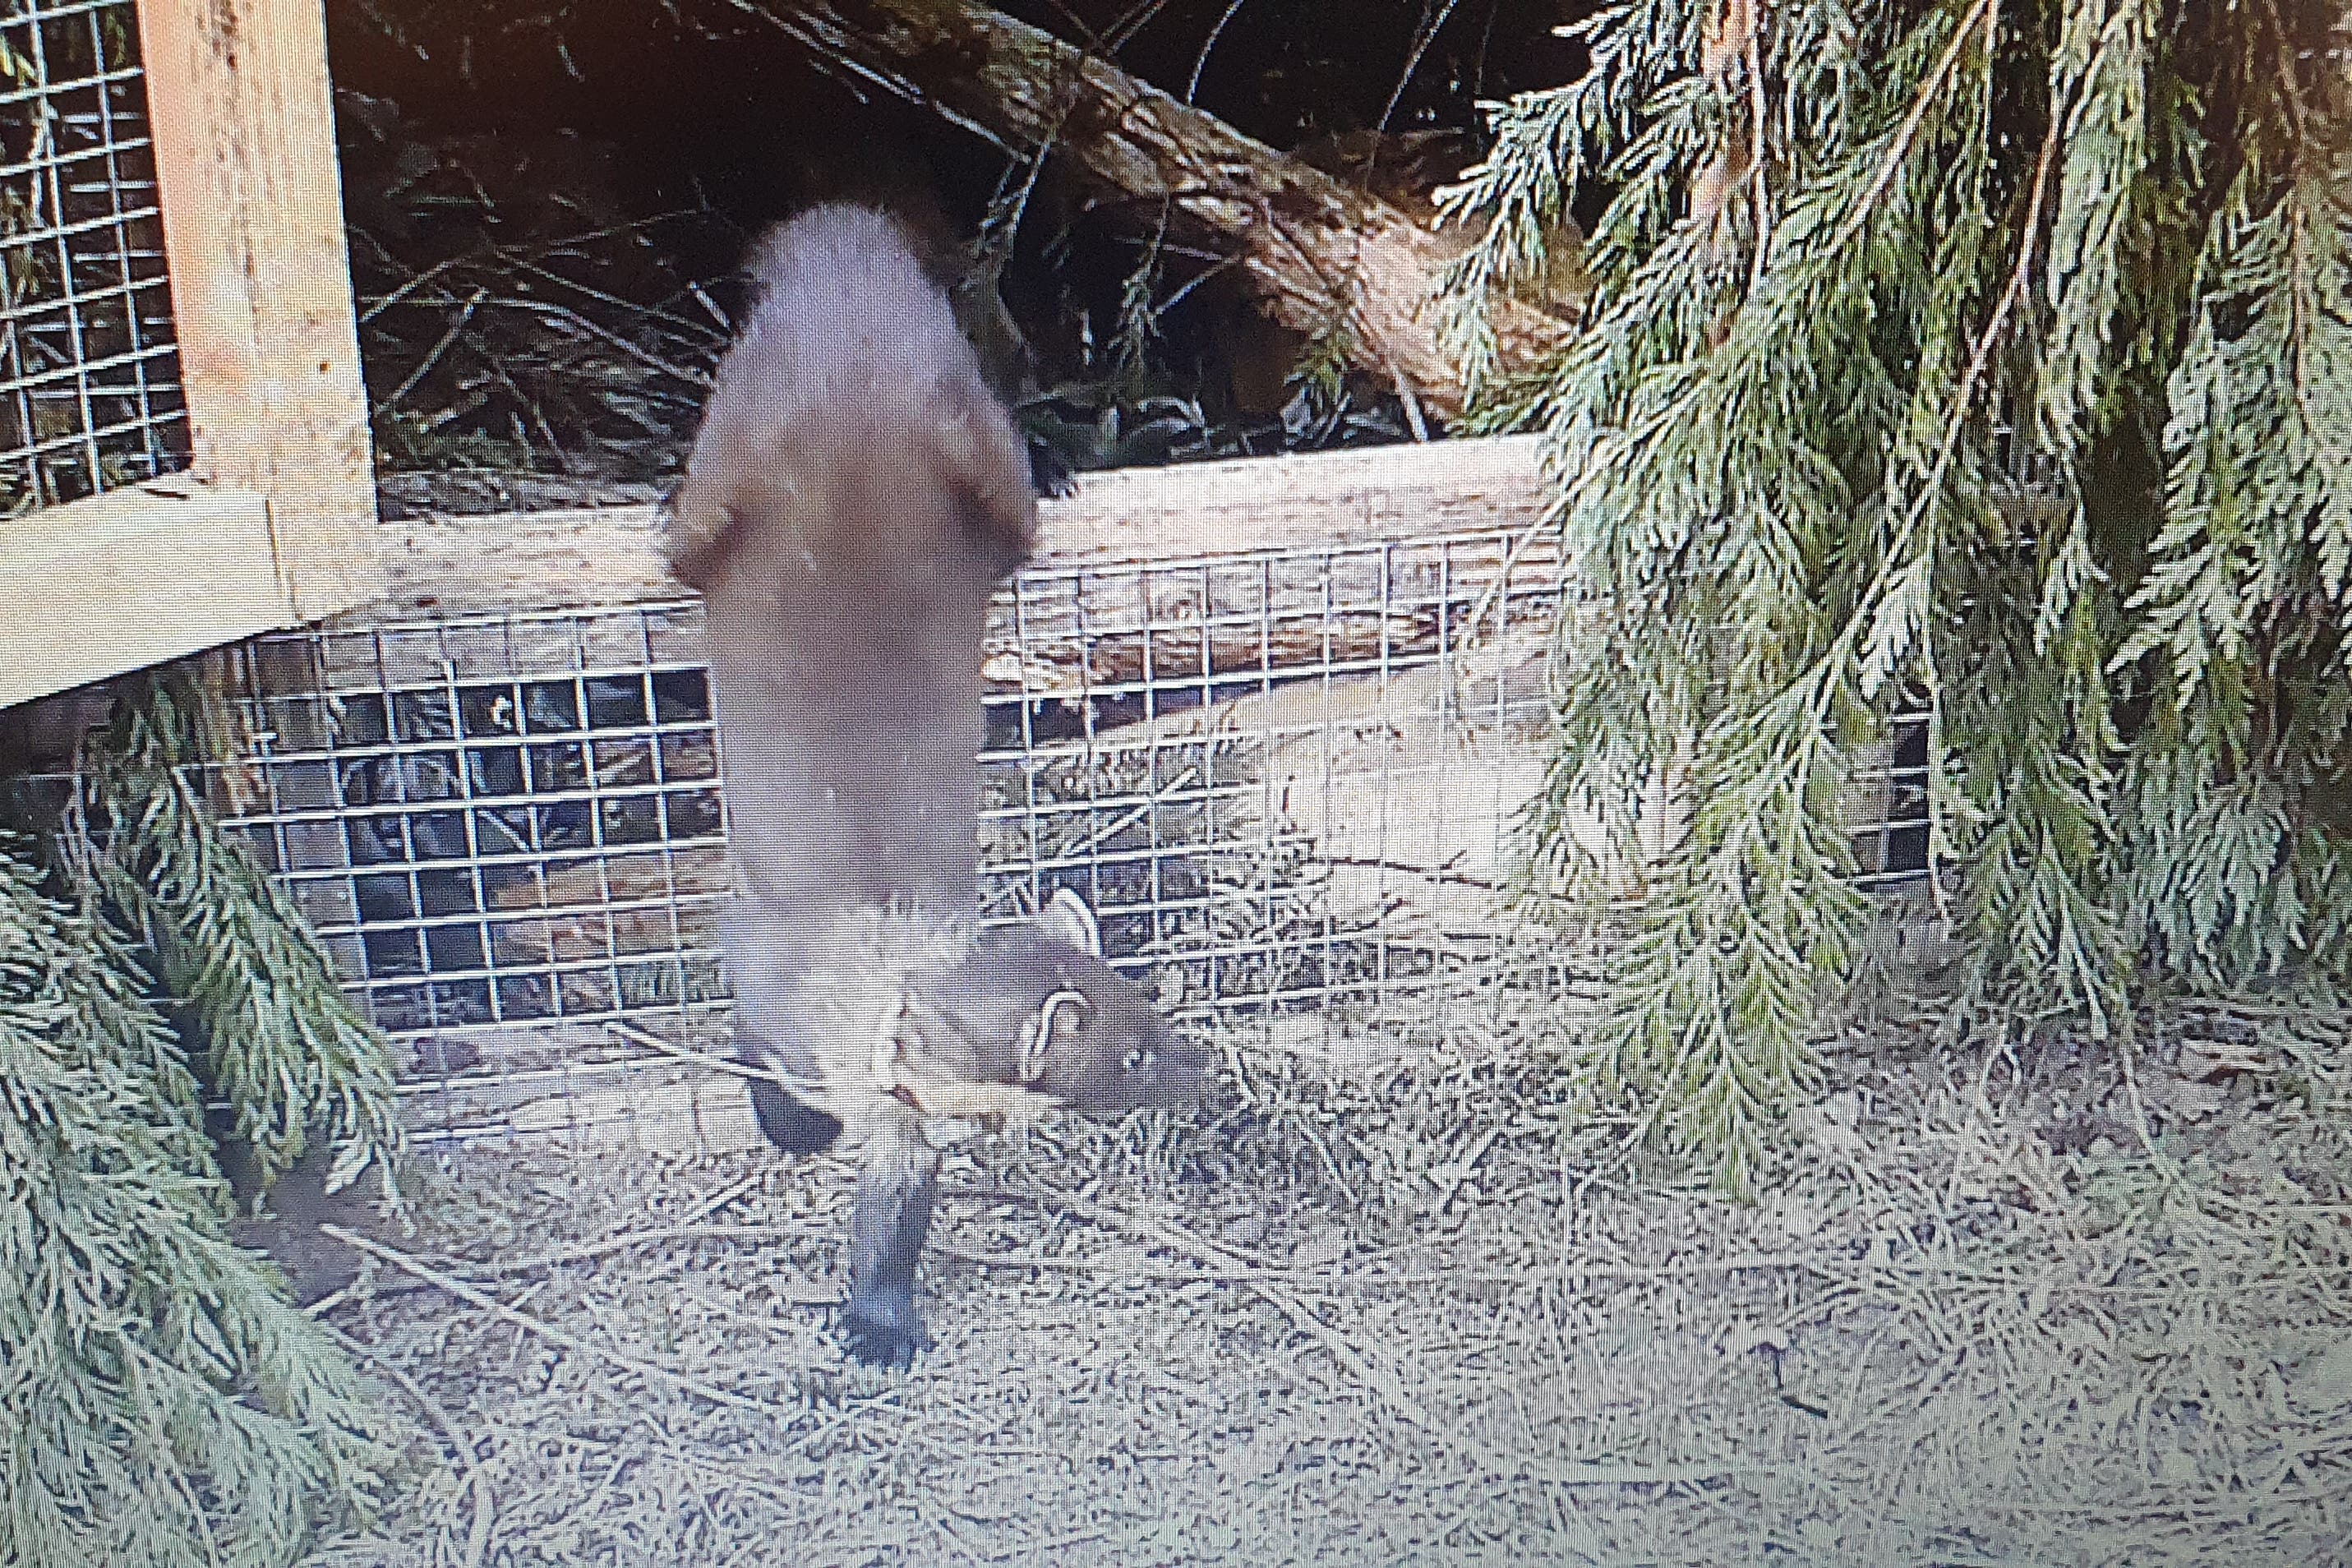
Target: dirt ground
pixel 1401 1307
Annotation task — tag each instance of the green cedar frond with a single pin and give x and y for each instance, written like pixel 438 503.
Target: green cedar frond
pixel 283 1044
pixel 2034 740
pixel 2203 879
pixel 163 1403
pixel 2259 502
pixel 1714 1004
pixel 2099 236
pixel 2038 399
pixel 1548 145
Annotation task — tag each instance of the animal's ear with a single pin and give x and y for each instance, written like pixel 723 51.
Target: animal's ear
pixel 1066 919
pixel 976 450
pixel 1063 1013
pixel 697 528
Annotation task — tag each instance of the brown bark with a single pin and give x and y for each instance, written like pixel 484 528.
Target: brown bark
pixel 1310 243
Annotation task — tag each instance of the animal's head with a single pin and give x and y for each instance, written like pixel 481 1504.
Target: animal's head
pixel 1069 1026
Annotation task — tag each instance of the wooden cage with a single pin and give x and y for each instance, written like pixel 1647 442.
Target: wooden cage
pixel 184 151
pixel 1302 699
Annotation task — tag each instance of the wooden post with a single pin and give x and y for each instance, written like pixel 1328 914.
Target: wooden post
pixel 244 127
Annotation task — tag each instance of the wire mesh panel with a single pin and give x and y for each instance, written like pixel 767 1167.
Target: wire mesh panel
pixel 508 832
pixel 90 395
pixel 1287 776
pixel 1286 780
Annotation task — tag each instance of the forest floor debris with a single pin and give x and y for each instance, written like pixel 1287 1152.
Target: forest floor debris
pixel 1407 1309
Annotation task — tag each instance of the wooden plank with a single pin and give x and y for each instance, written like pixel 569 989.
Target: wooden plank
pixel 449 567
pixel 242 122
pixel 499 562
pixel 1363 496
pixel 131 578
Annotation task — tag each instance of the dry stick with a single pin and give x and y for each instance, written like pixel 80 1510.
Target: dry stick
pixel 1464 1167
pixel 716 1063
pixel 1378 1379
pixel 1571 1527
pixel 803 1296
pixel 1051 1543
pixel 485 1509
pixel 525 262
pixel 1593 1473
pixel 2164 1166
pixel 414 282
pixel 433 355
pixel 548 1331
pixel 936 1520
pixel 589 1251
pixel 550 308
pixel 1244 1272
pixel 725 1196
pixel 707 1515
pixel 1757 112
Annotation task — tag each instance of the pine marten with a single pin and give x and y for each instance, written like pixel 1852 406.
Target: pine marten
pixel 855 496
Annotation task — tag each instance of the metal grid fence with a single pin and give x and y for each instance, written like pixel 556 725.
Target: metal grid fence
pixel 90 391
pixel 1285 780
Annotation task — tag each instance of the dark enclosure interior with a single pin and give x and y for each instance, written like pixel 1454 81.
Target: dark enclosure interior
pixel 548 209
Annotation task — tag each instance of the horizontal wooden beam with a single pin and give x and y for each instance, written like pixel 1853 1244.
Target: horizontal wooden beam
pixel 131 578
pixel 1306 500
pixel 447 567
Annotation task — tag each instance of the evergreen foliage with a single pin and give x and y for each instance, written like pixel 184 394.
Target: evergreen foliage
pixel 161 1401
pixel 282 1044
pixel 1996 353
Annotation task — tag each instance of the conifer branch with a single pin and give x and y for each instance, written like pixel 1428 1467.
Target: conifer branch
pixel 2030 374
pixel 1982 12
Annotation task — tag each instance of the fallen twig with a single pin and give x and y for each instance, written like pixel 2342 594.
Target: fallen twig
pixel 548 1331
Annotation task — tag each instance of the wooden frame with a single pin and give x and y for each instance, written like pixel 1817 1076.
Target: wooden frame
pixel 131 578
pixel 276 523
pixel 451 569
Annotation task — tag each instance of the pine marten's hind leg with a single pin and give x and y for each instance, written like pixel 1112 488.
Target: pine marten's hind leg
pixel 787 1120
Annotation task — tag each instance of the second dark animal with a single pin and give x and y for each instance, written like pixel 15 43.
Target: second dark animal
pixel 856 496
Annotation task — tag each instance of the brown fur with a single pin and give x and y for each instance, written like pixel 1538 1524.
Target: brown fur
pixel 855 497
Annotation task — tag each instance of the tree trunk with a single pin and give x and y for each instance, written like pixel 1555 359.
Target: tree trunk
pixel 1312 245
